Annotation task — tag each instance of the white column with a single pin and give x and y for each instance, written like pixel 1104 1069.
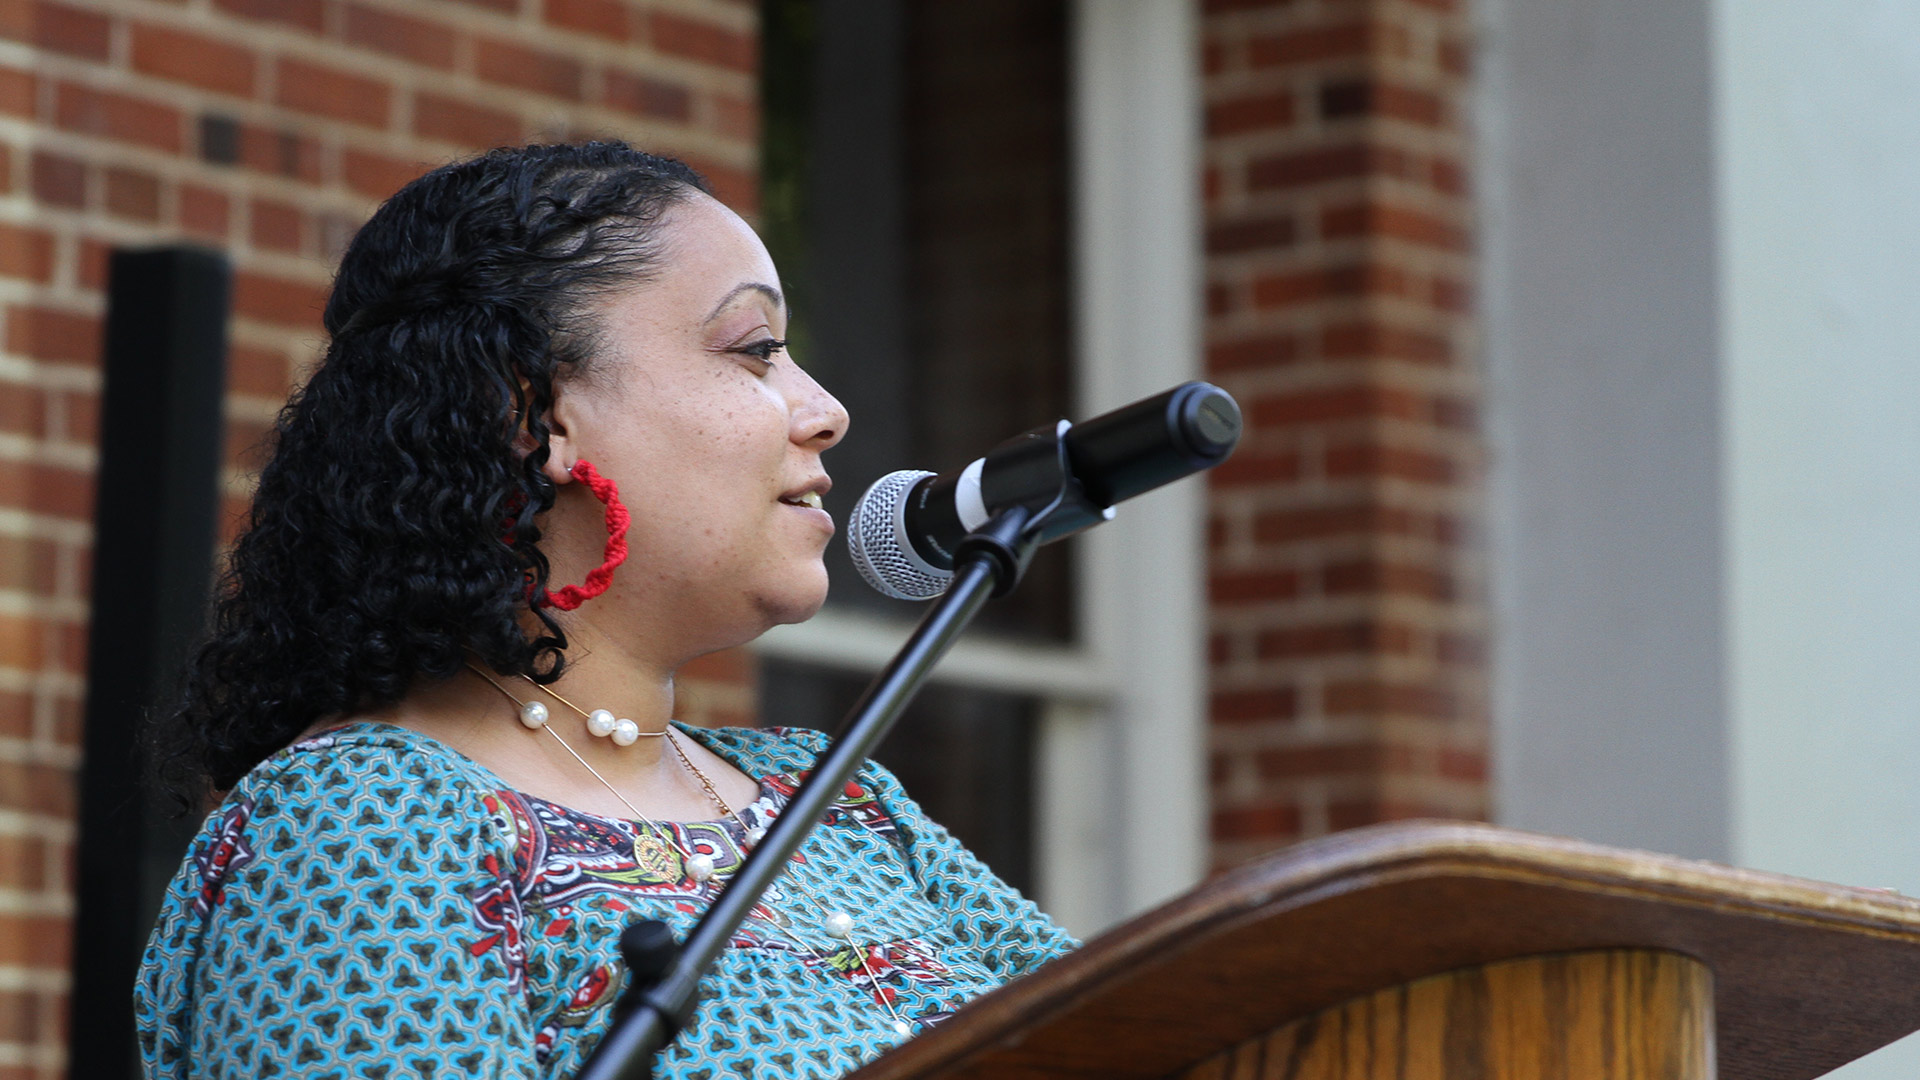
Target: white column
pixel 1137 280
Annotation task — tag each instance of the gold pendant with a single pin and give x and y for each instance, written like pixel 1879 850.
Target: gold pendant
pixel 657 860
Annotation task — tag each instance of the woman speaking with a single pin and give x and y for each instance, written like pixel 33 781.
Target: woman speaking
pixel 556 450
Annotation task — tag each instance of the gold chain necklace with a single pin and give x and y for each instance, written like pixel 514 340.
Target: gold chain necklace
pixel 700 867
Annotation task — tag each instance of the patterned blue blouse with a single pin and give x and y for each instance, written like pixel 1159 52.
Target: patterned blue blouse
pixel 369 903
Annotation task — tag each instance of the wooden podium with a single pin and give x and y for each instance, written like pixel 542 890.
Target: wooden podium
pixel 1441 951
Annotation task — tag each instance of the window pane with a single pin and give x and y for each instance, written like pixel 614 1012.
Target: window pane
pixel 916 176
pixel 965 754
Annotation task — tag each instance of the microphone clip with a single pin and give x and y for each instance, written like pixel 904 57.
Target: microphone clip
pixel 1032 498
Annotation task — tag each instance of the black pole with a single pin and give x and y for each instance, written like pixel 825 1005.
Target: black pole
pixel 158 499
pixel 989 563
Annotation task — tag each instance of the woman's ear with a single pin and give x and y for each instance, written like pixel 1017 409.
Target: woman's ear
pixel 562 450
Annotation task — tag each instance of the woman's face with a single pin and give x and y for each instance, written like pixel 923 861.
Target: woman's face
pixel 714 437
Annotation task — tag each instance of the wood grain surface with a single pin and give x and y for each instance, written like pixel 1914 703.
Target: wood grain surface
pixel 1609 1015
pixel 1807 976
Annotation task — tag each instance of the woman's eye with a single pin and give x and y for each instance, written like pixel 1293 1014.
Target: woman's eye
pixel 763 350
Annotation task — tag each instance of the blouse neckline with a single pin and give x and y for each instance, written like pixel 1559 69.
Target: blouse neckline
pixel 766 793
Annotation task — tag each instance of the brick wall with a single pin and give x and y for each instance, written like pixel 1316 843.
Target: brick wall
pixel 268 129
pixel 1347 625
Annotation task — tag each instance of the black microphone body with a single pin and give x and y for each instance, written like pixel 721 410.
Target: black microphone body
pixel 916 519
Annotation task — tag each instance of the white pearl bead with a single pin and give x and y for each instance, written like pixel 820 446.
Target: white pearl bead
pixel 700 867
pixel 534 715
pixel 625 732
pixel 838 924
pixel 600 722
pixel 756 834
pixel 901 1027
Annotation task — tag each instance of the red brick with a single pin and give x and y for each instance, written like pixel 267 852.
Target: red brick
pixel 253 370
pixel 377 175
pixel 93 263
pixel 736 188
pixel 1257 466
pixel 644 96
pixel 52 334
pixel 57 28
pixel 18 92
pixel 419 40
pixel 1354 813
pixel 1334 639
pixel 1225 587
pixel 1377 697
pixel 1333 282
pixel 1462 765
pixel 82 414
pixel 16 715
pixel 23 865
pixel 1253 706
pixel 305 14
pixel 275 225
pixel 451 120
pixel 48 489
pixel 604 18
pixel 1362 759
pixel 1264 822
pixel 200 61
pixel 58 180
pixel 1266 351
pixel 736 118
pixel 537 70
pixel 1310 44
pixel 1376 98
pixel 330 92
pixel 277 300
pixel 25 253
pixel 247 444
pixel 1324 164
pixel 1451 294
pixel 35 940
pixel 1374 578
pixel 1250 234
pixel 1347 220
pixel 282 153
pixel 111 115
pixel 1215 56
pixel 1378 341
pixel 1334 403
pixel 1369 460
pixel 204 210
pixel 133 194
pixel 1341 520
pixel 704 42
pixel 1257 112
pixel 1216 7
pixel 23 411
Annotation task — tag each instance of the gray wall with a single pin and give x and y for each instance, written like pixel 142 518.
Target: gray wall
pixel 1595 141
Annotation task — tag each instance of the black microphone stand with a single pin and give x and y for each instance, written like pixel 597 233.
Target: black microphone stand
pixel 662 976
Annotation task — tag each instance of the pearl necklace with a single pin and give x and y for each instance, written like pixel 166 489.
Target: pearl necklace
pixel 836 923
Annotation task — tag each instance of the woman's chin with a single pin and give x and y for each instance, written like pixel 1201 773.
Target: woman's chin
pixel 794 605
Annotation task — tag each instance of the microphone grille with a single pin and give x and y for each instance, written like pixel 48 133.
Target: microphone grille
pixel 877 539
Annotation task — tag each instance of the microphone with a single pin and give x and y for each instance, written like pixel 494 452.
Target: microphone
pixel 904 529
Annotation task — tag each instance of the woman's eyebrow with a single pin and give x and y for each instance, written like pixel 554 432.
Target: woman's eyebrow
pixel 768 291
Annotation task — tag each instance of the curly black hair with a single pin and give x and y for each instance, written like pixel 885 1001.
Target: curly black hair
pixel 392 537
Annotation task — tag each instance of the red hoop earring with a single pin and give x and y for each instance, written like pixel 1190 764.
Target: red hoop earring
pixel 617 521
